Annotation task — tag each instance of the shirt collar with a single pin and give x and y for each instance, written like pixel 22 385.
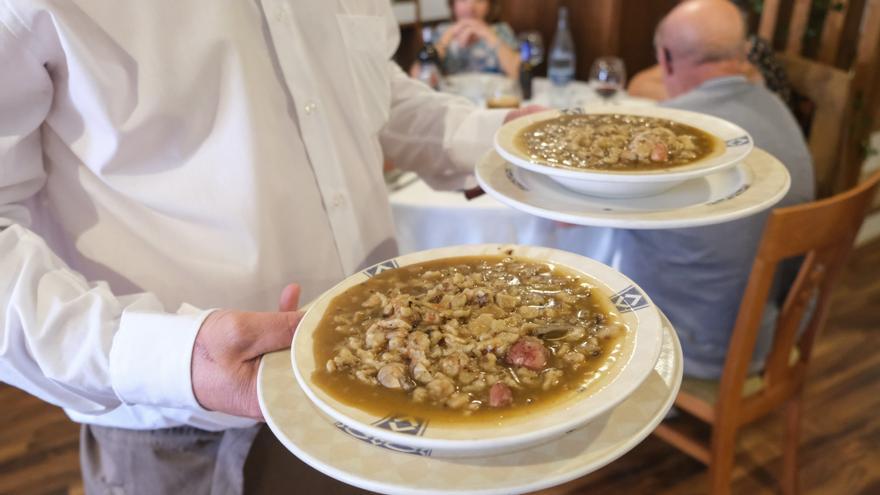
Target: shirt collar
pixel 723 80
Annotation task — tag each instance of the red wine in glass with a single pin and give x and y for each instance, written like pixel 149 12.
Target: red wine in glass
pixel 606 92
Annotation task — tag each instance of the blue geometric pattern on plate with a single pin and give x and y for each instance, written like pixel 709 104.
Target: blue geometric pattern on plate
pixel 629 299
pixel 380 267
pixel 508 171
pixel 409 425
pixel 382 443
pixel 737 141
pixel 742 189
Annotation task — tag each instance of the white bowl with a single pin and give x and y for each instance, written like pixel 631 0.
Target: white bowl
pixel 735 144
pixel 641 348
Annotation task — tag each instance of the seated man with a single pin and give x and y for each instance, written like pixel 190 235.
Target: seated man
pixel 761 66
pixel 697 275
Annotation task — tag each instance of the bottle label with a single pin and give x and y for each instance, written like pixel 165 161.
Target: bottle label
pixel 560 77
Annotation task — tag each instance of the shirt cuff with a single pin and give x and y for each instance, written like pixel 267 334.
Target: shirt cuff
pixel 151 357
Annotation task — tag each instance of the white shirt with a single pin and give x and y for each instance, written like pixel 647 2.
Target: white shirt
pixel 162 156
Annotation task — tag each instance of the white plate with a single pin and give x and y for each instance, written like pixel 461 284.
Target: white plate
pixel 735 143
pixel 756 184
pixel 640 348
pixel 477 86
pixel 375 465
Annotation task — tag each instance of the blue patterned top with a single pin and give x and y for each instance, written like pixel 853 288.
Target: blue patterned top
pixel 479 56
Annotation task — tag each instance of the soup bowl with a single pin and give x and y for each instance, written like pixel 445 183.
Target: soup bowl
pixel 731 145
pixel 636 354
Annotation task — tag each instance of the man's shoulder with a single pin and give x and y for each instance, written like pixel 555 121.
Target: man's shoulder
pixel 739 101
pixel 723 90
pixel 763 115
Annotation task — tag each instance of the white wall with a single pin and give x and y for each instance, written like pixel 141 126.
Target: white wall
pixel 432 10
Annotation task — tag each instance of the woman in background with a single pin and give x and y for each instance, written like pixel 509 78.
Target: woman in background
pixel 475 41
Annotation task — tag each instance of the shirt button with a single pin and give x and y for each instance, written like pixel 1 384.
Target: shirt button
pixel 338 200
pixel 311 107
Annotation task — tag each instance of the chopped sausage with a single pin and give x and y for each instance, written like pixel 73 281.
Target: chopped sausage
pixel 529 352
pixel 500 395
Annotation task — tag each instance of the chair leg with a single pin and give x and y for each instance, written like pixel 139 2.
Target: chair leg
pixel 790 445
pixel 721 463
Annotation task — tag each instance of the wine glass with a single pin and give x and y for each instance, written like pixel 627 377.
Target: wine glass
pixel 536 46
pixel 607 76
pixel 503 93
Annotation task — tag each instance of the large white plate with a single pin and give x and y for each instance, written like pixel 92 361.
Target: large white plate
pixel 374 465
pixel 476 86
pixel 640 347
pixel 756 184
pixel 734 143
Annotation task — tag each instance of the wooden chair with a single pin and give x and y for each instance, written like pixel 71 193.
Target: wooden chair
pixel 846 67
pixel 823 232
pixel 828 89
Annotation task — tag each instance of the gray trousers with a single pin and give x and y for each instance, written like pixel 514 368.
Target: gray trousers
pixel 190 461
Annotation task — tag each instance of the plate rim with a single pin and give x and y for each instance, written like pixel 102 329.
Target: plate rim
pixel 653 327
pixel 627 220
pixel 502 141
pixel 612 453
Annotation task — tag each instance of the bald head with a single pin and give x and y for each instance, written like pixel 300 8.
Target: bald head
pixel 701 31
pixel 700 40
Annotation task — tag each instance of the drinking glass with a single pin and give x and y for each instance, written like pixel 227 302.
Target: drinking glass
pixel 608 77
pixel 503 93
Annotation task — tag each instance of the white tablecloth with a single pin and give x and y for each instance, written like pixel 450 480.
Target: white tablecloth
pixel 427 219
pixel 578 94
pixel 478 87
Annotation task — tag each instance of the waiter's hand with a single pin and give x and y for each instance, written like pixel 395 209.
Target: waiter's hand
pixel 227 353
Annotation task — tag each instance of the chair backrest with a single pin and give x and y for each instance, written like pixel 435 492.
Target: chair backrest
pixel 828 88
pixel 848 40
pixel 823 233
pixel 847 37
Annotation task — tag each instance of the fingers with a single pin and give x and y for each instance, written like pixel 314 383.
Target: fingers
pixel 289 300
pixel 267 332
pixel 227 351
pixel 467 36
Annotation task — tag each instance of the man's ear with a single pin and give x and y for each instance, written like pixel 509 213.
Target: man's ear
pixel 667 61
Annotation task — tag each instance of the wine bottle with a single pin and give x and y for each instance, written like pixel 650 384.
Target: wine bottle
pixel 525 69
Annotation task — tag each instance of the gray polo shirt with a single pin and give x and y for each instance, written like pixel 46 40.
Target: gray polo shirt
pixel 697 275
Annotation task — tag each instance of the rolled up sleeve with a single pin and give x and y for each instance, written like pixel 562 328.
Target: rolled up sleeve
pixel 439 136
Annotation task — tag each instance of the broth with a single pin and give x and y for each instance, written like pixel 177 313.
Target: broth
pixel 615 142
pixel 476 337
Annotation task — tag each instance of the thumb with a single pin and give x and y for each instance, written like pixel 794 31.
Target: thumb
pixel 272 332
pixel 289 300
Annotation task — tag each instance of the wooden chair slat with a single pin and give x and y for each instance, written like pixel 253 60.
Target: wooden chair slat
pixel 683 441
pixel 832 30
pixel 864 92
pixel 869 34
pixel 769 16
pixel 798 26
pixel 828 88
